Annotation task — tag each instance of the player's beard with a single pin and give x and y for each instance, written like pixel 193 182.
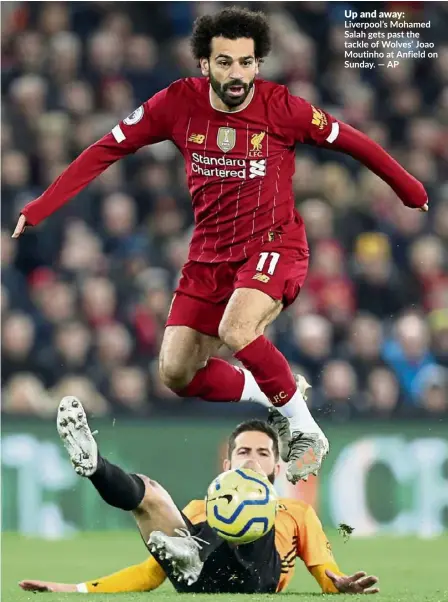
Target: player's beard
pixel 221 90
pixel 271 478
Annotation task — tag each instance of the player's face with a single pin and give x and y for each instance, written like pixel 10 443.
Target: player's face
pixel 231 69
pixel 256 450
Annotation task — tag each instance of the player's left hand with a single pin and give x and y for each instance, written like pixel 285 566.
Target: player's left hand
pixel 32 585
pixel 359 583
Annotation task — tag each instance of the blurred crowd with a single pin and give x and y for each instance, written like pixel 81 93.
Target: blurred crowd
pixel 86 294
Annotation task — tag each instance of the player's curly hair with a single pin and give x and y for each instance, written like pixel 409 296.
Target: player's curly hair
pixel 231 23
pixel 258 426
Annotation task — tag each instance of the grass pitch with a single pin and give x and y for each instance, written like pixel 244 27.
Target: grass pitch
pixel 410 570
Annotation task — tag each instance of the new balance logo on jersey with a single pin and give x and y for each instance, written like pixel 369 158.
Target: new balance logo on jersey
pixel 257 168
pixel 197 138
pixel 261 277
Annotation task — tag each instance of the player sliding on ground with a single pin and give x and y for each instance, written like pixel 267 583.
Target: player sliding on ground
pixel 184 547
pixel 248 255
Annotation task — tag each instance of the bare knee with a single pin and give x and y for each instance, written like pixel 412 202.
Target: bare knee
pixel 236 335
pixel 177 362
pixel 175 374
pixel 155 496
pixel 157 511
pixel 184 352
pixel 246 317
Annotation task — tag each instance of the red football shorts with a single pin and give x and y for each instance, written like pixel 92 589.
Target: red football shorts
pixel 205 288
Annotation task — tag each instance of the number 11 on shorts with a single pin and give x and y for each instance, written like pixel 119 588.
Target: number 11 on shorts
pixel 272 264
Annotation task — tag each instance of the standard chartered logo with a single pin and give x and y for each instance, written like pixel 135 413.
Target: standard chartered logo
pixel 257 168
pixel 226 167
pixel 417 490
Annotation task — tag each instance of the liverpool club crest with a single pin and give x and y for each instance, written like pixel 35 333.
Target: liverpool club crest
pixel 226 139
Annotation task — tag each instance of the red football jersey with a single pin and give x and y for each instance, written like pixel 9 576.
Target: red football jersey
pixel 239 165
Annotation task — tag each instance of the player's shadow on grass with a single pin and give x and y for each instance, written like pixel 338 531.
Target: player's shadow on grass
pixel 290 594
pixel 266 597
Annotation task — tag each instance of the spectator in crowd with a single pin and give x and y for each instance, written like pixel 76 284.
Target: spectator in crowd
pixel 18 345
pixel 407 352
pixel 69 352
pixel 363 346
pixel 434 390
pixel 128 390
pixel 311 345
pixel 438 320
pixel 427 259
pixel 380 288
pixel 338 398
pixel 84 388
pixel 383 393
pixel 25 395
pixel 329 284
pixel 13 281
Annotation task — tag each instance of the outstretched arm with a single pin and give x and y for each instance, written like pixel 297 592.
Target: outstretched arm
pixel 362 148
pixel 311 125
pixel 138 578
pixel 314 549
pixel 146 125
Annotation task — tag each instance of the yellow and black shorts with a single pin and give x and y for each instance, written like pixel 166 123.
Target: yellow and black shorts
pixel 252 568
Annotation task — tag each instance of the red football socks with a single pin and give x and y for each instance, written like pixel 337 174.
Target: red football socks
pixel 220 381
pixel 270 370
pixel 217 381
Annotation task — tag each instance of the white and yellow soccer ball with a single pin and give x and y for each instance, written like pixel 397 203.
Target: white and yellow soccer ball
pixel 241 505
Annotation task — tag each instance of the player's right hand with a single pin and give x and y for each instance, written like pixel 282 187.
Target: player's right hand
pixel 425 208
pixel 46 586
pixel 21 227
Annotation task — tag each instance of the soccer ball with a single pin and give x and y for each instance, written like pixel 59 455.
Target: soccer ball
pixel 241 505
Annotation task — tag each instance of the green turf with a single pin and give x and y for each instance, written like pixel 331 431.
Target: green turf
pixel 410 570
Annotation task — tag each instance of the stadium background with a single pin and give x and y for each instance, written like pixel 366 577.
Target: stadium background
pixel 85 295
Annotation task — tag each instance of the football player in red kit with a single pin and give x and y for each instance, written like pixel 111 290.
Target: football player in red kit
pixel 248 255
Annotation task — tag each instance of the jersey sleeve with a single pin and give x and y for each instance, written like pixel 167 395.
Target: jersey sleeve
pixel 305 123
pixel 142 577
pixel 314 549
pixel 195 511
pixel 313 546
pixel 326 584
pixel 308 124
pixel 150 123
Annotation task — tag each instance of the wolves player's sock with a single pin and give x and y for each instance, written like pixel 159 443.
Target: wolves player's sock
pixel 217 381
pixel 273 375
pixel 117 487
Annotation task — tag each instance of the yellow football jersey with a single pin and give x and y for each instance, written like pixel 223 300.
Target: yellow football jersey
pixel 298 534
